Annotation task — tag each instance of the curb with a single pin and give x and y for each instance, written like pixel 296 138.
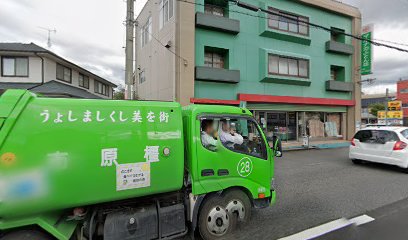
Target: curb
pixel 318 146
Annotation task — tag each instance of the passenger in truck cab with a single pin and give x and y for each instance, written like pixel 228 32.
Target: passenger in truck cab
pixel 208 134
pixel 228 135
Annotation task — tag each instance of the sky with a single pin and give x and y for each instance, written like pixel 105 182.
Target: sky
pixel 91 33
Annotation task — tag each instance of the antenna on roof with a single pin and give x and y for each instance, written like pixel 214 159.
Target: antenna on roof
pixel 49 44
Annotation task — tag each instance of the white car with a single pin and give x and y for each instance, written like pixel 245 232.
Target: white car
pixel 387 145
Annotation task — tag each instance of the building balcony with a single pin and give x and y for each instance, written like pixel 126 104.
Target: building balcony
pixel 217 75
pixel 223 24
pixel 338 47
pixel 339 86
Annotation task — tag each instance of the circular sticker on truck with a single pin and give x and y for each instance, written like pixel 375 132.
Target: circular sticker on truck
pixel 244 167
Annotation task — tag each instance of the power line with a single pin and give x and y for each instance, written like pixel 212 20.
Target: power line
pixel 317 26
pixel 391 42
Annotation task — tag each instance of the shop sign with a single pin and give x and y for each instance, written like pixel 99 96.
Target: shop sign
pixel 394 105
pixel 366 50
pixel 390 115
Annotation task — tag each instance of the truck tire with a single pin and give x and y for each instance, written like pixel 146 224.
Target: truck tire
pixel 26 234
pixel 238 204
pixel 214 221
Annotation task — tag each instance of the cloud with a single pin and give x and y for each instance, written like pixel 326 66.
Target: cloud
pixel 89 33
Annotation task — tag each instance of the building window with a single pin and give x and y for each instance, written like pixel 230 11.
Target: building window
pixel 214 10
pixel 288 22
pixel 288 66
pixel 214 7
pixel 64 73
pixel 142 77
pixel 14 66
pixel 83 81
pixel 146 32
pixel 215 57
pixel 405 90
pixel 337 73
pixel 166 11
pixel 337 35
pixel 101 88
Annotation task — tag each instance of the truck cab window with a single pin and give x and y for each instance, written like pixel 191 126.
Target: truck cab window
pixel 209 133
pixel 242 135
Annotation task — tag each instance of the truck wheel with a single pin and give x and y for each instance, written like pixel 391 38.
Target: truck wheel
pixel 239 204
pixel 26 234
pixel 215 222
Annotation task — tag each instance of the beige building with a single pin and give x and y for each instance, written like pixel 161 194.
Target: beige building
pixel 29 66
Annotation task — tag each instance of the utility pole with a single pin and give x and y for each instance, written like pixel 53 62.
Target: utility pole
pixel 130 23
pixel 386 106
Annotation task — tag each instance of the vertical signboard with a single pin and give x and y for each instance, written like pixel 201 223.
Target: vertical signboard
pixel 366 50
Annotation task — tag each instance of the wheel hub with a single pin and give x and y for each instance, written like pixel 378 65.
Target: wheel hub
pixel 238 207
pixel 218 221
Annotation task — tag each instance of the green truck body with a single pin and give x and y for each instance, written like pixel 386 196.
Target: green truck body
pixel 63 162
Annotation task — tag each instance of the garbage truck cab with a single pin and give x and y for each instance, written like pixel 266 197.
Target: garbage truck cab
pixel 104 169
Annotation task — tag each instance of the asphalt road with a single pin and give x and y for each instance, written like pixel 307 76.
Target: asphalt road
pixel 317 186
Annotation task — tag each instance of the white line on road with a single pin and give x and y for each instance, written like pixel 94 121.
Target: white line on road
pixel 328 227
pixel 360 220
pixel 319 230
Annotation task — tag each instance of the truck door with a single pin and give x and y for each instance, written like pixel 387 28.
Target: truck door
pixel 240 155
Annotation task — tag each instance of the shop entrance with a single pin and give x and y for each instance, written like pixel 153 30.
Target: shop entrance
pixel 293 126
pixel 281 124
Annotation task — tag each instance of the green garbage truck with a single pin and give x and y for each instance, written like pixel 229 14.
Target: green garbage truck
pixel 106 169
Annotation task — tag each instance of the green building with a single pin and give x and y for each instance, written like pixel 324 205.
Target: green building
pixel 297 79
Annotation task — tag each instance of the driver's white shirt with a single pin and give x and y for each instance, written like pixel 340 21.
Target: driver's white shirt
pixel 230 140
pixel 207 140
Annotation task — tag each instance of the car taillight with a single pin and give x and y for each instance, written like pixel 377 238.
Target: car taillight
pixel 352 142
pixel 399 146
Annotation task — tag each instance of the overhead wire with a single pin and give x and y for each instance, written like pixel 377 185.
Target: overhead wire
pixel 244 5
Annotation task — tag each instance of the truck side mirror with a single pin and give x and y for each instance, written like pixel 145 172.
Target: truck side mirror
pixel 277 146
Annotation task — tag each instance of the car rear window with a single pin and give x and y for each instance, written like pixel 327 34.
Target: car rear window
pixel 404 133
pixel 376 136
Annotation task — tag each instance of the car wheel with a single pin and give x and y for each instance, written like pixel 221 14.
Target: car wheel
pixel 357 161
pixel 215 222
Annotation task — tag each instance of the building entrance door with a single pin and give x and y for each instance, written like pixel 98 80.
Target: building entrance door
pixel 281 124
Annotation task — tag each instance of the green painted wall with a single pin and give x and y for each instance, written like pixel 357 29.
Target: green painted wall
pixel 246 51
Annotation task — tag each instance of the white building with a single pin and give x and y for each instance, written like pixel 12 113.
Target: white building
pixel 29 66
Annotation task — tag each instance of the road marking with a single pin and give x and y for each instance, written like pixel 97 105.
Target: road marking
pixel 319 230
pixel 329 227
pixel 360 220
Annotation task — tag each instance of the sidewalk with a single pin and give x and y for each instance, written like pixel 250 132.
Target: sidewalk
pixel 288 146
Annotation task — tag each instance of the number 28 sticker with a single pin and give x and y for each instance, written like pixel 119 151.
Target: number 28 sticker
pixel 244 167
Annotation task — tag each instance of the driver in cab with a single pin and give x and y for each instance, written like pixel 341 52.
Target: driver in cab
pixel 228 136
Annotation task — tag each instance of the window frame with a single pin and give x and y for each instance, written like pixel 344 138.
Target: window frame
pixel 222 59
pixel 102 92
pixel 290 15
pixel 142 75
pixel 165 17
pixel 288 58
pixel 15 66
pixel 264 144
pixel 146 35
pixel 63 73
pixel 83 81
pixel 211 9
